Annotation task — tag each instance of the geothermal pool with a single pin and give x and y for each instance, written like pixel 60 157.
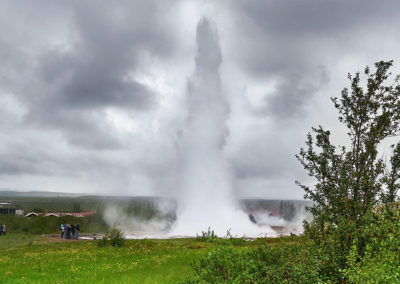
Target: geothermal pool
pixel 272 218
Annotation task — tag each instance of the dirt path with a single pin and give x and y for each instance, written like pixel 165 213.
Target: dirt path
pixel 82 238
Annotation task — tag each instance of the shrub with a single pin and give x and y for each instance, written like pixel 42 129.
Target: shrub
pixel 380 262
pixel 208 236
pixel 102 242
pixel 115 237
pixel 332 245
pixel 267 264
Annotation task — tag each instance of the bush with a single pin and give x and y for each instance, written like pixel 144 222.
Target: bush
pixel 102 242
pixel 208 236
pixel 115 237
pixel 370 254
pixel 380 262
pixel 332 245
pixel 268 264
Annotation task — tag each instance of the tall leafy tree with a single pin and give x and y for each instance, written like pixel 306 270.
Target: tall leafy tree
pixel 351 180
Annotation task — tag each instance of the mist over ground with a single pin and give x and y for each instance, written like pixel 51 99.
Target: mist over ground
pixel 157 218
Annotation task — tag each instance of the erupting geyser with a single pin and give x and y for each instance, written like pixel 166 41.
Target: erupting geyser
pixel 206 186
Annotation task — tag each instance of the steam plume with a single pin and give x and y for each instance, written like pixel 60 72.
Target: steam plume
pixel 206 191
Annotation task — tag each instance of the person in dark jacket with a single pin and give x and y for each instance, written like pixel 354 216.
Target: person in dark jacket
pixel 73 230
pixel 78 229
pixel 68 231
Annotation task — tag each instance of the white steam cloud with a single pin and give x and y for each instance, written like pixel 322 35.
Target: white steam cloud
pixel 115 216
pixel 206 197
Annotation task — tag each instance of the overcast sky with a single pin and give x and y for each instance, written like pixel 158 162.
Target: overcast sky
pixel 92 94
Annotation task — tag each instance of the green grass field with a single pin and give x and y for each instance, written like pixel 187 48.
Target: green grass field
pixel 39 259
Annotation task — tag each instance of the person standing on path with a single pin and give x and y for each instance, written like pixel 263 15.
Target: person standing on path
pixel 73 231
pixel 62 230
pixel 65 231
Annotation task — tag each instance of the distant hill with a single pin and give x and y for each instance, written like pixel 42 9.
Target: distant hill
pixel 12 193
pixel 50 194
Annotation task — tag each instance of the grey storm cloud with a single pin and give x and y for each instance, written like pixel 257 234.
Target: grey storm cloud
pixel 268 154
pixel 318 18
pixel 60 88
pixel 288 41
pixel 106 50
pixel 293 44
pixel 293 93
pixel 65 65
pixel 73 84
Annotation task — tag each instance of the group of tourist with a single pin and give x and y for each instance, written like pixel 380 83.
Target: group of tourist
pixel 2 230
pixel 69 230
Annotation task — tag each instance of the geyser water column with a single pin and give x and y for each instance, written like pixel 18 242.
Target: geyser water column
pixel 206 196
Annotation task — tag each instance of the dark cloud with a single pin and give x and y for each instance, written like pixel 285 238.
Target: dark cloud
pixel 22 159
pixel 288 41
pixel 318 18
pixel 64 67
pixel 267 154
pixel 96 70
pixel 106 52
pixel 293 93
pixel 66 64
